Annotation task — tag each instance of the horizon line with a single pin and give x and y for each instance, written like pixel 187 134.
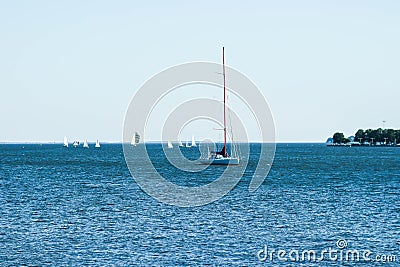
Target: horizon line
pixel 152 141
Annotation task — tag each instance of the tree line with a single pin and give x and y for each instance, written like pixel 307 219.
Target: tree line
pixel 382 136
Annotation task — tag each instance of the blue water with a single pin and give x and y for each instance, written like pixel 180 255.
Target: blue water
pixel 81 207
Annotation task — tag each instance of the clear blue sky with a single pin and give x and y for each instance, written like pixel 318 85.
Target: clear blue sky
pixel 71 67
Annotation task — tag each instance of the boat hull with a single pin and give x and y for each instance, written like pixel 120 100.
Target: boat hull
pixel 221 161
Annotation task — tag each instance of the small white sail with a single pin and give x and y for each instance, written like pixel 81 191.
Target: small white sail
pixel 187 143
pixel 97 143
pixel 135 139
pixel 133 143
pixel 65 141
pixel 85 144
pixel 180 142
pixel 170 144
pixel 193 141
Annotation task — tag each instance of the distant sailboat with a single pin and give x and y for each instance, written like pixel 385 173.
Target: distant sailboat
pixel 97 143
pixel 170 144
pixel 135 139
pixel 222 157
pixel 85 144
pixel 193 141
pixel 180 142
pixel 187 143
pixel 65 142
pixel 75 144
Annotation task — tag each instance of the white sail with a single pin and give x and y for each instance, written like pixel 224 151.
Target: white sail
pixel 170 144
pixel 97 143
pixel 193 141
pixel 65 141
pixel 75 144
pixel 135 139
pixel 133 143
pixel 85 144
pixel 187 143
pixel 180 142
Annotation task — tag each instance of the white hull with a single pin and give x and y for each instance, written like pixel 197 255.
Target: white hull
pixel 221 161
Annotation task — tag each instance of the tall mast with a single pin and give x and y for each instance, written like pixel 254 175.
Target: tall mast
pixel 223 66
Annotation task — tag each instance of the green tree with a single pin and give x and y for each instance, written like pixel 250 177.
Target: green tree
pixel 379 135
pixel 387 136
pixel 360 135
pixel 390 135
pixel 372 136
pixel 397 136
pixel 338 138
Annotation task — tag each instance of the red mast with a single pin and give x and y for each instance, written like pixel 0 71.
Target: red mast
pixel 223 66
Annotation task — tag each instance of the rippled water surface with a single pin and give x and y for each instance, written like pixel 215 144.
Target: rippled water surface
pixel 81 207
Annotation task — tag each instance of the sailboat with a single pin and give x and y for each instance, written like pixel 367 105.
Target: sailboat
pixel 180 142
pixel 135 139
pixel 222 157
pixel 85 144
pixel 170 144
pixel 193 141
pixel 75 144
pixel 187 143
pixel 65 142
pixel 97 143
